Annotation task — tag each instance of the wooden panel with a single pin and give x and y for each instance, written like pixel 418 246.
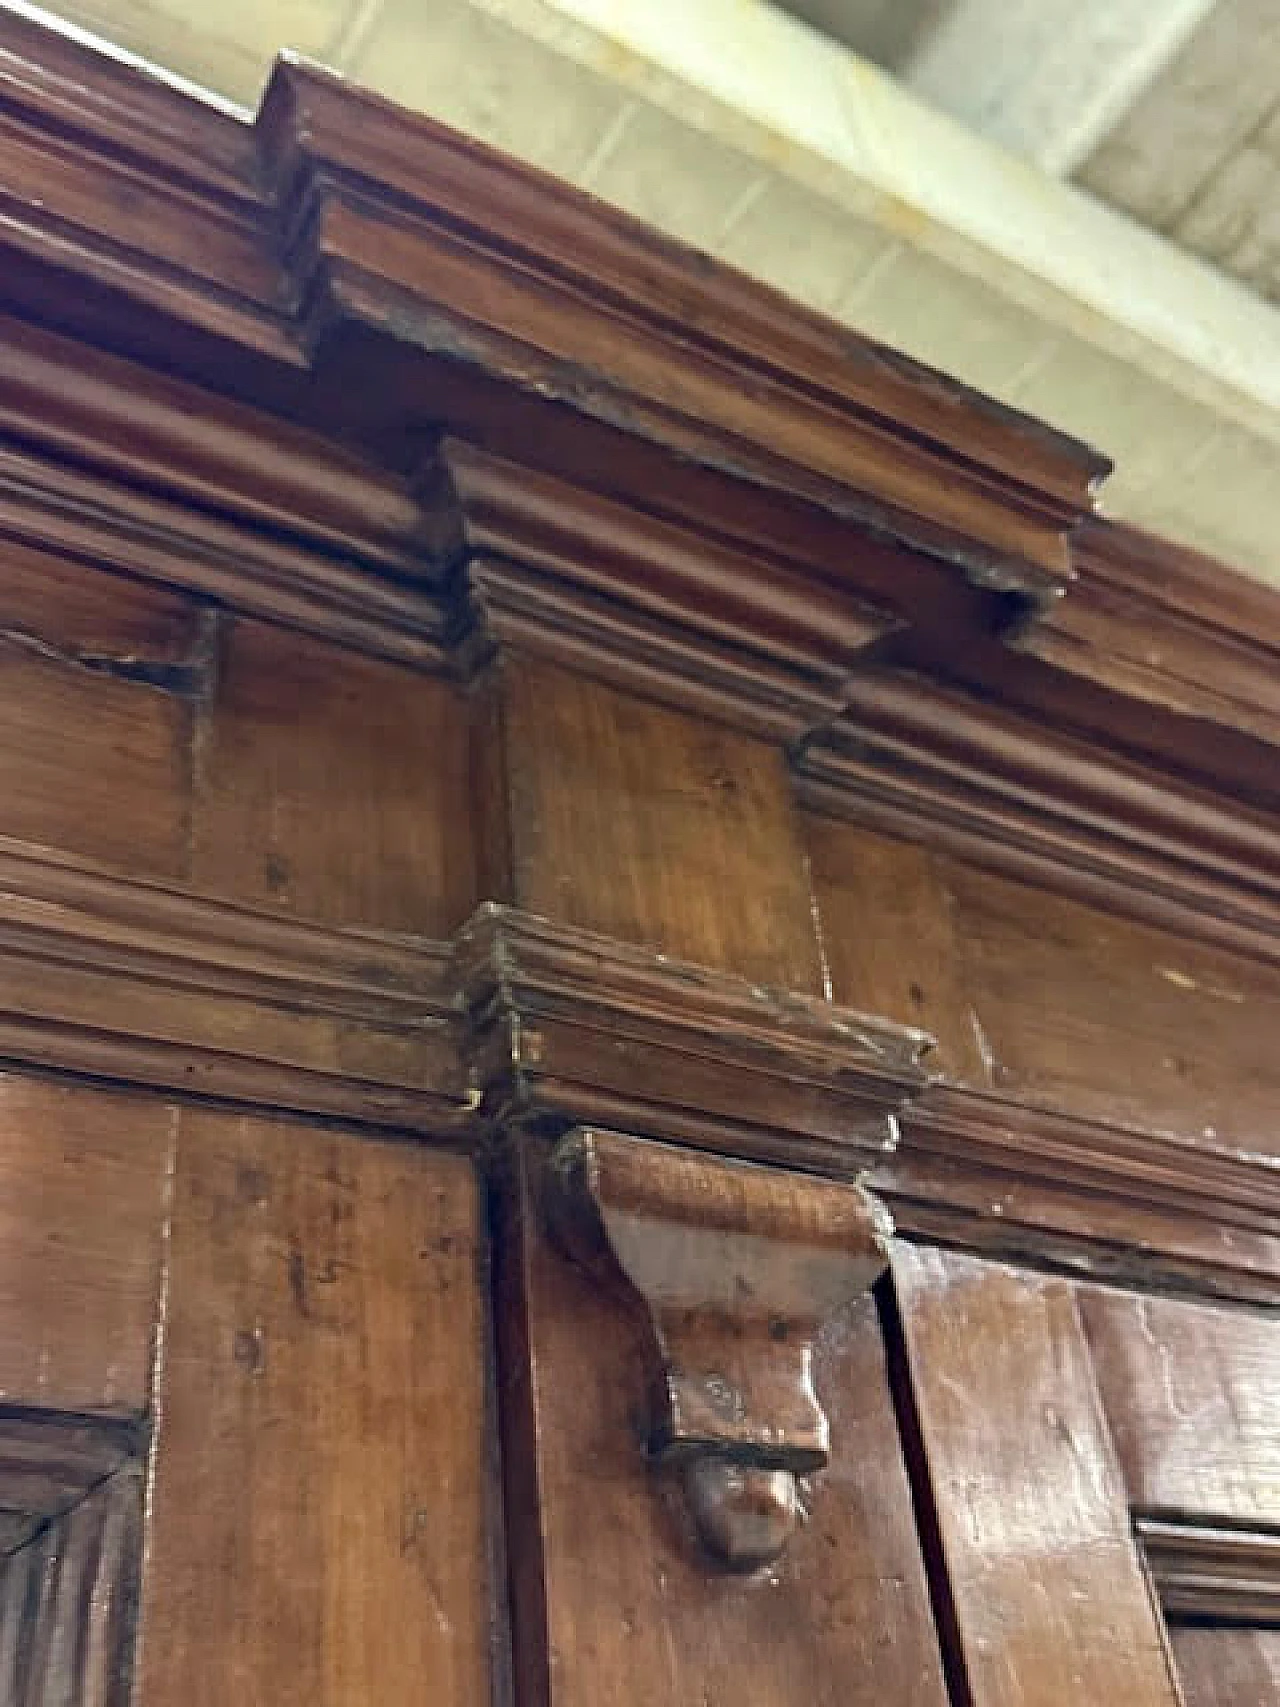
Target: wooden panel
pixel 333 786
pixel 104 620
pixel 629 1609
pixel 82 1202
pixel 1228 1668
pixel 92 755
pixel 1046 998
pixel 315 1534
pixel 888 935
pixel 1192 1393
pixel 1049 1595
pixel 1093 1013
pixel 655 826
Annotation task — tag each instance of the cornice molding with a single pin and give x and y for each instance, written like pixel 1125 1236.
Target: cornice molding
pixel 1166 625
pixel 993 1173
pixel 731 627
pixel 524 1021
pixel 135 981
pixel 370 277
pixel 338 209
pixel 140 194
pixel 113 467
pixel 1006 792
pixel 569 1026
pixel 401 224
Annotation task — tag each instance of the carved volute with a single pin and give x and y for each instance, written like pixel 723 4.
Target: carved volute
pixel 738 1266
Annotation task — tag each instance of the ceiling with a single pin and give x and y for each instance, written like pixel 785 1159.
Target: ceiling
pixel 988 248
pixel 1168 109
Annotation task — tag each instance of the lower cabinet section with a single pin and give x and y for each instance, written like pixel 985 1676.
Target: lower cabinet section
pixel 316 1522
pixel 69 1575
pixel 243 1459
pixel 725 1440
pixel 1102 1473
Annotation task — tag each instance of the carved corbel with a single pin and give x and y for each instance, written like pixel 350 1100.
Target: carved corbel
pixel 738 1266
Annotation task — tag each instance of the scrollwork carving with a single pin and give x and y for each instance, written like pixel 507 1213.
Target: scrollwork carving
pixel 737 1266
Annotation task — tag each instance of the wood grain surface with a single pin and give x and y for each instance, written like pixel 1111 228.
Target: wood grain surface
pixel 85 1181
pixel 1044 1589
pixel 652 825
pixel 612 1597
pixel 316 1523
pixel 1228 1668
pixel 1192 1393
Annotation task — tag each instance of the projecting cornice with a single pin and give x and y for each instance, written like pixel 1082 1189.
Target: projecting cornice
pixel 524 1022
pixel 375 284
pixel 341 229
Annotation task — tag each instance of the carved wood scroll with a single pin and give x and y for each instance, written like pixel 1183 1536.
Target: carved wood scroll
pixel 738 1268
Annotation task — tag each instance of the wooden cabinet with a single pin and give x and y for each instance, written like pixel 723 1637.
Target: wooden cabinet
pixel 638 971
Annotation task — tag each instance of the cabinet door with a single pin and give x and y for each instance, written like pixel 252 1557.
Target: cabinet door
pixel 1192 1396
pixel 241 1441
pixel 1100 1481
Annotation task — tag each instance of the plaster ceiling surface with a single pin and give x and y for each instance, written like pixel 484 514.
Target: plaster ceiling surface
pixel 1168 109
pixel 1033 195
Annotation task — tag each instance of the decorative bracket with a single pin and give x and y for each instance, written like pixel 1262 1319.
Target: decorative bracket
pixel 738 1266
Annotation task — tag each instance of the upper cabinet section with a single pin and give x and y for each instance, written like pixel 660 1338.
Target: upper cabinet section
pixel 488 410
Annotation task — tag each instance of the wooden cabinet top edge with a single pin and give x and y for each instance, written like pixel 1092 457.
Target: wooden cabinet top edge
pixel 1036 802
pixel 326 168
pixel 1166 625
pixel 323 157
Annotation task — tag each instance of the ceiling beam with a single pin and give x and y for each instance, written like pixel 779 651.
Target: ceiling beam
pixel 1047 79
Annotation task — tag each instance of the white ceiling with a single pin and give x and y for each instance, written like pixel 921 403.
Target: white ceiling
pixel 1168 109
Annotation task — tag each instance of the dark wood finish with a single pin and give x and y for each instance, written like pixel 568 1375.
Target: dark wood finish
pixel 1106 1103
pixel 889 940
pixel 123 467
pixel 1193 1404
pixel 1044 1581
pixel 740 1269
pixel 1022 794
pixel 591 325
pixel 1053 981
pixel 570 1026
pixel 616 591
pixel 92 752
pixel 613 1598
pixel 422 593
pixel 124 980
pixel 1132 1203
pixel 1168 626
pixel 316 1525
